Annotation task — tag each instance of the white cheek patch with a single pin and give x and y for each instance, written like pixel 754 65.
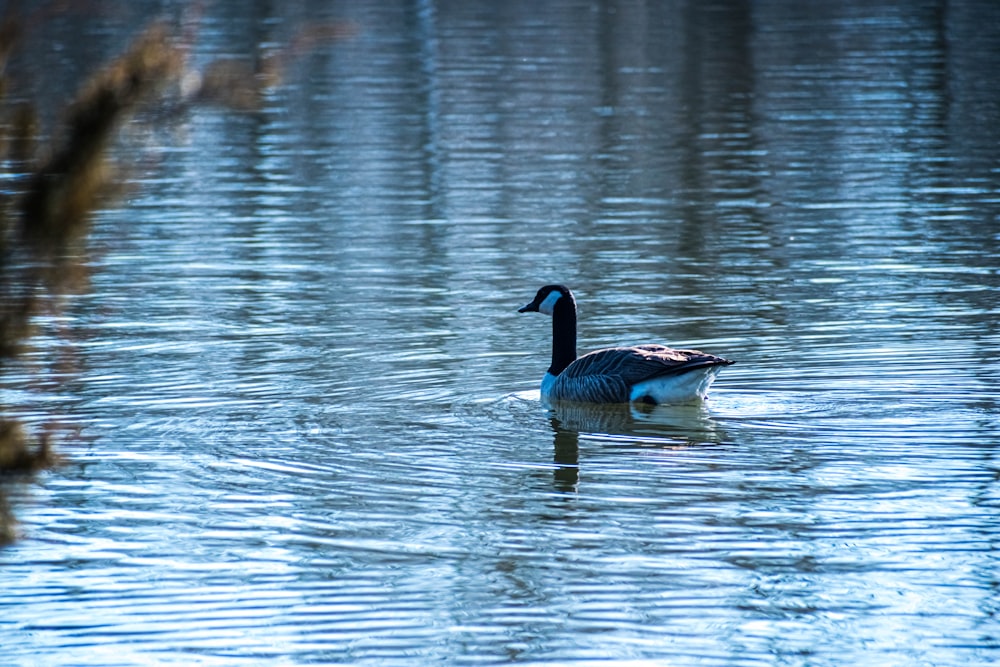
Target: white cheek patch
pixel 549 304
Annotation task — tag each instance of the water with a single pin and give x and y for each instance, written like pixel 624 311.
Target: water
pixel 300 413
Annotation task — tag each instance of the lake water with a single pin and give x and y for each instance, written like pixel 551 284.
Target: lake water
pixel 300 411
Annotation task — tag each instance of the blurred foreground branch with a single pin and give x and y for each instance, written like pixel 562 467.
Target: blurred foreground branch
pixel 59 195
pixel 65 190
pixel 46 204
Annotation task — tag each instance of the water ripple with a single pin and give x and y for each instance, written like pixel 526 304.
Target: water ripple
pixel 302 414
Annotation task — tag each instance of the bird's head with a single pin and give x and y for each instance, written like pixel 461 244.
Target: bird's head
pixel 546 298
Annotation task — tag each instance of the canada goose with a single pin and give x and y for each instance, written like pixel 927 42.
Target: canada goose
pixel 645 373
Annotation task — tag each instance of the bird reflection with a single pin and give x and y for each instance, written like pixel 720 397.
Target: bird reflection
pixel 567 457
pixel 660 426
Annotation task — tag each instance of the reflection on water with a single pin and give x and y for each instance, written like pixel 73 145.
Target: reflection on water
pixel 635 425
pixel 309 427
pixel 658 424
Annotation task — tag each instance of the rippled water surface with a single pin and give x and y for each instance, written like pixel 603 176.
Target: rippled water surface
pixel 303 411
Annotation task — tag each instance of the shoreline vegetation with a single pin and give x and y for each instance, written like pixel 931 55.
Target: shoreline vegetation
pixel 51 192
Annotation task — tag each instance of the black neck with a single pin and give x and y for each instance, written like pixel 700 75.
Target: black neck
pixel 563 335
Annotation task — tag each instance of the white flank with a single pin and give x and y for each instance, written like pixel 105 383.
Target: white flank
pixel 689 387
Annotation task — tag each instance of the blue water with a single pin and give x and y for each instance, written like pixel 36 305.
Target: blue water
pixel 299 413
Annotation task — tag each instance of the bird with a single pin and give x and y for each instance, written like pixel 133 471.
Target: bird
pixel 651 373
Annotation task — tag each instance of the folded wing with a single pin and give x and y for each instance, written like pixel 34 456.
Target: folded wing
pixel 607 376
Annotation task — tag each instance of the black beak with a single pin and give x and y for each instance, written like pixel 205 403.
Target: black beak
pixel 529 308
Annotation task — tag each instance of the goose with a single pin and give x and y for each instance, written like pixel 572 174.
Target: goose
pixel 653 374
